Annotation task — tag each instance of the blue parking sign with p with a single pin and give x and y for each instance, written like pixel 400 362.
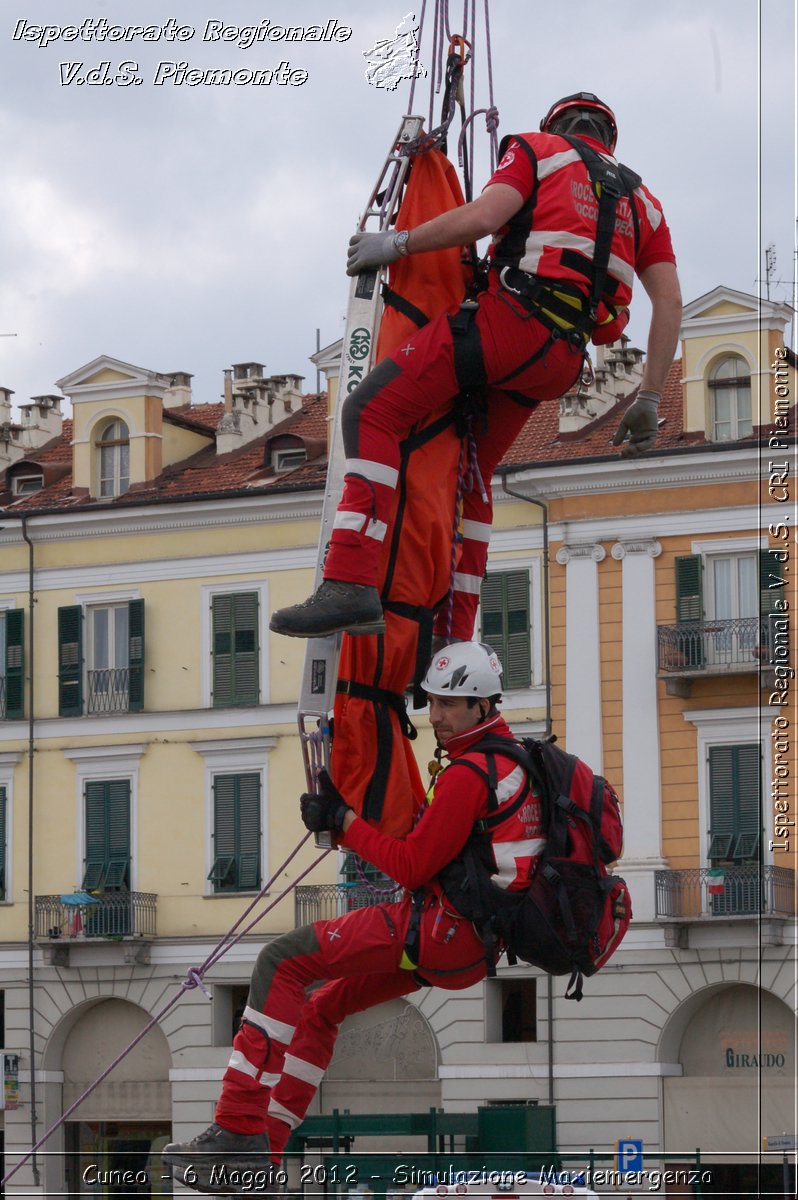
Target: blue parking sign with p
pixel 629 1155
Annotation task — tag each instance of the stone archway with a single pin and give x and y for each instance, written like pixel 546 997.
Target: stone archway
pixel 737 1052
pixel 138 1085
pixel 386 1060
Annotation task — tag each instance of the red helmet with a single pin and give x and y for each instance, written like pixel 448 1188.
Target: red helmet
pixel 584 110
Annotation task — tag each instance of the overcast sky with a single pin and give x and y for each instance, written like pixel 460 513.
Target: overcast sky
pixel 183 227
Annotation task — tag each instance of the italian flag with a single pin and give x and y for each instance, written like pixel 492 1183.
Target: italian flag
pixel 716 880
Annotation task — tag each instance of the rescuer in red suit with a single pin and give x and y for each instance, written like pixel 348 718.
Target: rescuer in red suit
pixel 379 952
pixel 530 330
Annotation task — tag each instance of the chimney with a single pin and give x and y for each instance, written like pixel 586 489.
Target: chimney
pixel 254 403
pixel 178 394
pixel 41 421
pixel 618 371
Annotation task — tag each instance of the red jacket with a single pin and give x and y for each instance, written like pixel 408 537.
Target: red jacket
pixel 459 798
pixel 562 224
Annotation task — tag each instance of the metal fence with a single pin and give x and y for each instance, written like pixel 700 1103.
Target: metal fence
pixel 323 901
pixel 740 644
pixel 111 915
pixel 742 891
pixel 108 690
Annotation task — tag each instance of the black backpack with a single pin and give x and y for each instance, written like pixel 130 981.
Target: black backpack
pixel 573 915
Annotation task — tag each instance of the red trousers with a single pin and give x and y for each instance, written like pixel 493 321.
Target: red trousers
pixel 287 1038
pixel 407 387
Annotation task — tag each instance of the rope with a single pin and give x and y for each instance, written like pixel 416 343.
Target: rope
pixel 193 979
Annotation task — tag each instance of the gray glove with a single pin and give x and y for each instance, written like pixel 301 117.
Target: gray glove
pixel 370 250
pixel 639 424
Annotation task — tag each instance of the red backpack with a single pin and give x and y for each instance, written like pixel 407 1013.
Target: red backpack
pixel 573 915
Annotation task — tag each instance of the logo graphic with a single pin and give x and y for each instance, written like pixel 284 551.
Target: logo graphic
pixel 359 343
pixel 442 664
pixel 505 162
pixel 390 60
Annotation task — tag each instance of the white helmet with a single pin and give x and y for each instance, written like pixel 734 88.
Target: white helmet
pixel 464 669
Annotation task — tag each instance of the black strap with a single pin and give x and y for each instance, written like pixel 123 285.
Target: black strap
pixel 469 363
pixel 412 946
pixel 402 305
pixel 378 695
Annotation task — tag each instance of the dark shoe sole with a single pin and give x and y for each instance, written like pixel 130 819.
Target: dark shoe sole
pixel 353 630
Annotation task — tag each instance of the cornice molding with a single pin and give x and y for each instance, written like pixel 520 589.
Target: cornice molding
pixel 163 518
pixel 627 475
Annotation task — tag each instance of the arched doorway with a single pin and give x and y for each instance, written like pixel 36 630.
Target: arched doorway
pixel 118 1130
pixel 737 1052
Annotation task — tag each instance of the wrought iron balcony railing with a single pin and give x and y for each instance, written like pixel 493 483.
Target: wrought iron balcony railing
pixel 108 690
pixel 707 647
pixel 323 901
pixel 110 915
pixel 747 890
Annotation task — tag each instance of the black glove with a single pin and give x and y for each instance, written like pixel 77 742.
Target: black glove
pixel 324 809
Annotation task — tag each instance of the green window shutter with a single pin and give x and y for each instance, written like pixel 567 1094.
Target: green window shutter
pixel 235 649
pixel 15 664
pixel 689 592
pixel 771 582
pixel 504 606
pixel 135 652
pixel 735 801
pixel 236 833
pixel 107 862
pixel 3 846
pixel 70 661
pixel 249 832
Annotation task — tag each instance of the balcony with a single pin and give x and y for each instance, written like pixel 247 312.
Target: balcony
pixel 108 690
pixel 742 891
pixel 697 649
pixel 322 902
pixel 82 919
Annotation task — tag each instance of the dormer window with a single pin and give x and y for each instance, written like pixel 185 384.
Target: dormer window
pixel 113 459
pixel 286 460
pixel 25 485
pixel 730 399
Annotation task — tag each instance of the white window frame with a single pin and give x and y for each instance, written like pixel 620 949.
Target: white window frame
pixel 8 763
pixel 207 593
pixel 93 600
pixel 734 415
pixel 99 431
pixel 18 490
pixel 235 756
pixel 288 458
pixel 99 764
pixel 729 727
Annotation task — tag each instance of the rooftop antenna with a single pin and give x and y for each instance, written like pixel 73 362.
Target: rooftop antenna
pixel 770 266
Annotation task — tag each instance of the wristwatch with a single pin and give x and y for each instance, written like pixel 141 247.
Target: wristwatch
pixel 400 242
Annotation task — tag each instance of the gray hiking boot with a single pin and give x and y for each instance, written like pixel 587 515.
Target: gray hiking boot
pixel 336 607
pixel 218 1161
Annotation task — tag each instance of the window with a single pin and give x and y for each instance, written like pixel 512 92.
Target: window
pixel 12 677
pixel 113 459
pixel 511 1012
pixel 505 618
pixel 287 460
pixel 734 835
pixel 107 860
pixel 114 666
pixel 723 604
pixel 734 798
pixel 25 485
pixel 730 399
pixel 235 649
pixel 3 841
pixel 236 833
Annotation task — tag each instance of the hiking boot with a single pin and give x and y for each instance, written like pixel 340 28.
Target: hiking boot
pixel 214 1160
pixel 336 607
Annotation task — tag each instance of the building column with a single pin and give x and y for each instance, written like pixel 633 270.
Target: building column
pixel 642 809
pixel 583 651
